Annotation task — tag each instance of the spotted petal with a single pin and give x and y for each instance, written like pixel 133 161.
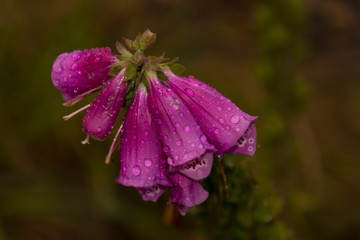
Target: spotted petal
pixel 181 136
pixel 142 160
pixel 103 111
pixel 151 193
pixel 221 120
pixel 80 71
pixel 196 169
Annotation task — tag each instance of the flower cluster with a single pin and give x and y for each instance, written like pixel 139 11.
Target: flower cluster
pixel 173 125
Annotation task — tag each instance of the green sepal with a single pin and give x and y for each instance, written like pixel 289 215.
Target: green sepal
pixel 114 71
pixel 122 50
pixel 129 44
pixel 177 68
pixel 129 72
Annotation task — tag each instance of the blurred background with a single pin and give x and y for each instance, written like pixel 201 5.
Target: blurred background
pixel 295 63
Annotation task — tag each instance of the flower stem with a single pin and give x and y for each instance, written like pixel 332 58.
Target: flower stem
pixel 226 189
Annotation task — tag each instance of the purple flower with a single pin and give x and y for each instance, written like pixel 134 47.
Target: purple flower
pixel 186 192
pixel 80 71
pixel 222 121
pixel 142 159
pixel 172 128
pixel 180 135
pixel 104 110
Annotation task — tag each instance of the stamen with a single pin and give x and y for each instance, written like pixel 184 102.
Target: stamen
pixel 80 97
pixel 86 140
pixel 67 117
pixel 223 177
pixel 112 147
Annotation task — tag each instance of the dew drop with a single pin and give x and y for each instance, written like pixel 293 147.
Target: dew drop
pixel 159 121
pixel 136 170
pixel 221 120
pixel 74 66
pixel 99 129
pixel 235 119
pixel 147 162
pixel 178 143
pixel 166 149
pixel 146 133
pixel 219 108
pixel 217 131
pixel 203 138
pixel 187 128
pixel 170 161
pixel 189 92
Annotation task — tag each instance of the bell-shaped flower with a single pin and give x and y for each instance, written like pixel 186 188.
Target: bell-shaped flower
pixel 101 116
pixel 186 192
pixel 80 71
pixel 142 160
pixel 221 120
pixel 180 135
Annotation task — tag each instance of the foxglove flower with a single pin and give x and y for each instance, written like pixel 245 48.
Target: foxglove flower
pixel 104 110
pixel 142 160
pixel 80 71
pixel 222 121
pixel 172 127
pixel 183 141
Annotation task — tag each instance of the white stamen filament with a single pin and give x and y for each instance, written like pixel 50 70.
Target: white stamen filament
pixel 67 117
pixel 80 97
pixel 86 140
pixel 112 147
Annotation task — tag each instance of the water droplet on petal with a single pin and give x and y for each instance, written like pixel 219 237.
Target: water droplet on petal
pixel 221 120
pixel 189 92
pixel 166 149
pixel 187 128
pixel 74 66
pixel 203 138
pixel 170 161
pixel 136 170
pixel 235 119
pixel 217 131
pixel 219 108
pixel 146 133
pixel 99 129
pixel 179 142
pixel 147 162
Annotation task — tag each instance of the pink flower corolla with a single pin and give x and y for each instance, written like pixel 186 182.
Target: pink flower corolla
pixel 184 144
pixel 223 123
pixel 80 71
pixel 104 110
pixel 142 160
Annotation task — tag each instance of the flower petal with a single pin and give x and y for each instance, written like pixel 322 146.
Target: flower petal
pixel 151 193
pixel 247 143
pixel 220 119
pixel 181 136
pixel 186 192
pixel 103 111
pixel 142 160
pixel 196 169
pixel 80 71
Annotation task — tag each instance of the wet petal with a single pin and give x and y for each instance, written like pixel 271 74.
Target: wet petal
pixel 151 193
pixel 181 136
pixel 186 192
pixel 246 144
pixel 220 119
pixel 103 111
pixel 196 169
pixel 79 71
pixel 142 159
